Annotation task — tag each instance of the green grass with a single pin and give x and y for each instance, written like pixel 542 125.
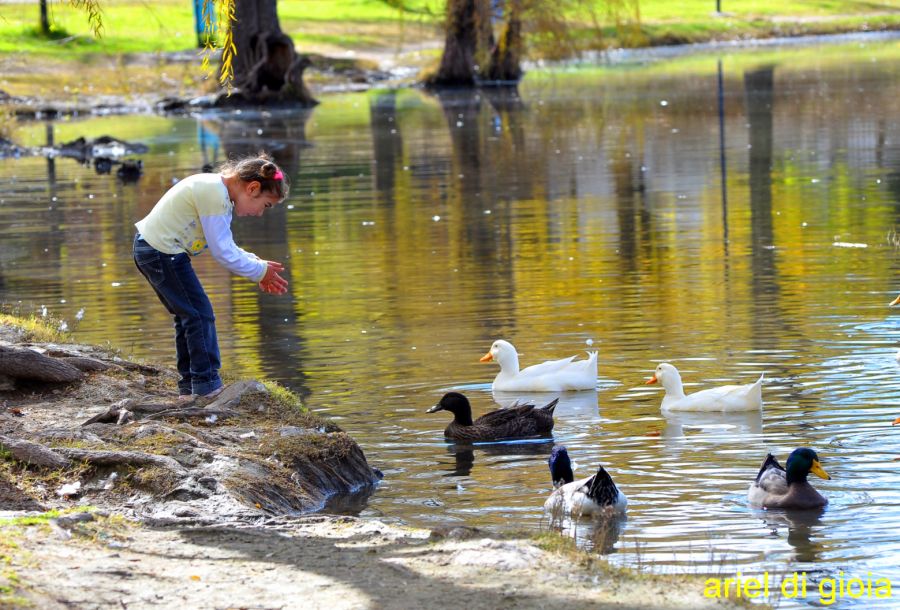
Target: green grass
pixel 36 329
pixel 703 10
pixel 136 26
pixel 168 25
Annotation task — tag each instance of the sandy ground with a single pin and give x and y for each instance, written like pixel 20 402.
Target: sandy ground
pixel 318 562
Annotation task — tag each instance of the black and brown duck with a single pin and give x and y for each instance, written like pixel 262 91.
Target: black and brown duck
pixel 517 421
pixel 776 487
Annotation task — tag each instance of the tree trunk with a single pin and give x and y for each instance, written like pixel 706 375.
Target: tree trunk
pixel 506 56
pixel 457 67
pixel 45 20
pixel 267 68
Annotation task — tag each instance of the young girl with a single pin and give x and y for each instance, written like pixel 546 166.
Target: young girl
pixel 192 216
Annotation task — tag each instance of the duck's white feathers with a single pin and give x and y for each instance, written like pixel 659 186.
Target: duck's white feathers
pixel 726 398
pixel 565 374
pixel 571 499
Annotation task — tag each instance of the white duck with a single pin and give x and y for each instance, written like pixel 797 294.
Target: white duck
pixel 595 495
pixel 551 376
pixel 724 399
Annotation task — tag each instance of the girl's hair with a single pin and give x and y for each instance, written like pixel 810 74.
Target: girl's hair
pixel 260 168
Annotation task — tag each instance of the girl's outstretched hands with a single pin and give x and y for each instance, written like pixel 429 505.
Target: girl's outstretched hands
pixel 272 282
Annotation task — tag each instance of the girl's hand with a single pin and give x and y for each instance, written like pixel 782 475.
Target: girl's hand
pixel 272 282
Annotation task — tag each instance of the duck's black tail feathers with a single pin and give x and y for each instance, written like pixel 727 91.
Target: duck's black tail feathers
pixel 550 406
pixel 769 462
pixel 601 488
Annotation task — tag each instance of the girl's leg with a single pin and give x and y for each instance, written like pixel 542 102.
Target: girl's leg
pixel 185 294
pixel 177 286
pixel 147 261
pixel 184 358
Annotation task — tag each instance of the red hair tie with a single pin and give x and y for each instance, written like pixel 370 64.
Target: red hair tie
pixel 278 176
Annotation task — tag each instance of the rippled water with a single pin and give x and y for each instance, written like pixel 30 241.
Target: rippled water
pixel 590 209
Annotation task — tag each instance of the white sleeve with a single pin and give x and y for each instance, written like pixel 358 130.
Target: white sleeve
pixel 217 230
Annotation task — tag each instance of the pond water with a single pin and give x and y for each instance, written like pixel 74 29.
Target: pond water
pixel 732 214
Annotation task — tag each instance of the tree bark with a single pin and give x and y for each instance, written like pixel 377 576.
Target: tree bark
pixel 21 363
pixel 267 68
pixel 45 19
pixel 457 67
pixel 506 56
pixel 123 458
pixel 33 454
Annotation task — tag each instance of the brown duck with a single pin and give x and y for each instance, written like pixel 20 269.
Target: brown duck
pixel 517 421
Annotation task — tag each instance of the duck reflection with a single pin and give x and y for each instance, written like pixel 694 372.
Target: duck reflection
pixel 799 524
pixel 599 535
pixel 464 454
pixel 580 405
pixel 715 427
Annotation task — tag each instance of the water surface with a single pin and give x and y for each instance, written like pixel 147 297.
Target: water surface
pixel 588 211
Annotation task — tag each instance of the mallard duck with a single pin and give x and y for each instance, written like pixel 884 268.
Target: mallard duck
pixel 726 398
pixel 551 376
pixel 517 421
pixel 776 487
pixel 592 496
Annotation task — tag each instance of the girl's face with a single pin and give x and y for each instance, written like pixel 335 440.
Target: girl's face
pixel 251 200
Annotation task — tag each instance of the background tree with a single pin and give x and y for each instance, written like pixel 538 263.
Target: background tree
pixel 258 58
pixel 474 54
pixel 45 19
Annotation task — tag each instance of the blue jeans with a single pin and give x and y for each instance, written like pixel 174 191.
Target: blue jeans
pixel 175 283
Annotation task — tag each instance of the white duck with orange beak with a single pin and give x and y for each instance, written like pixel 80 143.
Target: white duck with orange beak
pixel 724 399
pixel 566 374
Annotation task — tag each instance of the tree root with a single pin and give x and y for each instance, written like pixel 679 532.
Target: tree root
pixel 21 363
pixel 35 454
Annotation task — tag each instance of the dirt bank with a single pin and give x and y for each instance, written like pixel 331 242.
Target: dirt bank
pixel 79 424
pixel 317 562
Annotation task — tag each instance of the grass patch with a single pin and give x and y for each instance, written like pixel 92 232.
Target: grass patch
pixel 314 447
pixel 35 329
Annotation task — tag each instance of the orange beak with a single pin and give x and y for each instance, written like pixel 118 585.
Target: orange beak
pixel 896 421
pixel 894 302
pixel 486 358
pixel 652 380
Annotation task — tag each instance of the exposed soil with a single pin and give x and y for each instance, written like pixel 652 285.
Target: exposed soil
pixel 321 562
